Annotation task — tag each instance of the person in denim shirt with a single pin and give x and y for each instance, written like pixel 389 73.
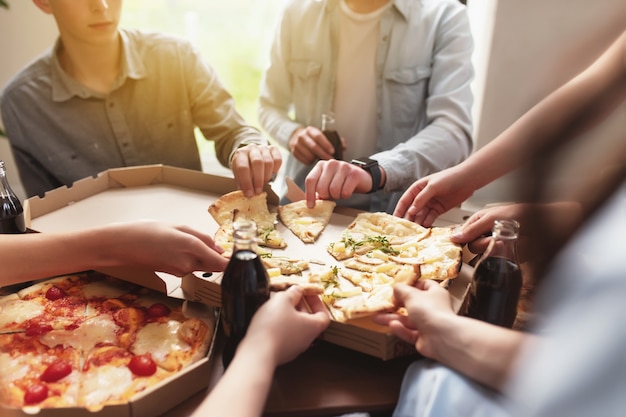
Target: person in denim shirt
pixel 395 73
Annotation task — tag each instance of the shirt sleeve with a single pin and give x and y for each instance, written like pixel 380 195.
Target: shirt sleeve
pixel 35 179
pixel 276 92
pixel 214 111
pixel 446 139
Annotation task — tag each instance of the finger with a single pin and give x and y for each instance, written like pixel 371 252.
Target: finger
pixel 321 147
pixel 478 245
pixel 405 204
pixel 294 294
pixel 315 303
pixel 241 169
pixel 277 159
pixel 408 335
pixel 311 184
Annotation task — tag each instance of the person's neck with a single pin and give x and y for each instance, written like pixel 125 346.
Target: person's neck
pixel 366 6
pixel 94 66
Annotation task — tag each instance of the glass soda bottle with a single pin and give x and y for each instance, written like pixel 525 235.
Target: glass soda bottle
pixel 11 210
pixel 497 280
pixel 245 287
pixel 330 131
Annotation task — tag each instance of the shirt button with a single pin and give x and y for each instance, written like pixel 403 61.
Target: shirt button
pixel 111 104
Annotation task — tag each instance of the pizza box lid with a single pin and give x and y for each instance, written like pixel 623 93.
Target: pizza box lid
pixel 155 192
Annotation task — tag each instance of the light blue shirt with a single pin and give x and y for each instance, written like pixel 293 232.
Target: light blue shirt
pixel 423 73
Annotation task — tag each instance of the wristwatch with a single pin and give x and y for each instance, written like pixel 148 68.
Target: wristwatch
pixel 371 166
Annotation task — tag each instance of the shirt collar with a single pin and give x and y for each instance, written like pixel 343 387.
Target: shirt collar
pixel 65 87
pixel 404 6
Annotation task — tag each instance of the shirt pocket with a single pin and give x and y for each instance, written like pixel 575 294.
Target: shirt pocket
pixel 407 91
pixel 305 76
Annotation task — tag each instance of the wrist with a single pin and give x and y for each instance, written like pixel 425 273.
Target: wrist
pixel 373 169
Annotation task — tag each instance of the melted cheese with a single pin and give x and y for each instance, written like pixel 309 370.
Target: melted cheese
pixel 105 383
pixel 86 336
pixel 159 339
pixel 16 311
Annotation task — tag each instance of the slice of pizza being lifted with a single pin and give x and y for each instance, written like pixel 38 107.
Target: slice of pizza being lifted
pixel 304 222
pixel 235 206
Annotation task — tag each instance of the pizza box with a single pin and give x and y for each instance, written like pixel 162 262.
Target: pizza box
pixel 156 192
pixel 361 334
pixel 155 400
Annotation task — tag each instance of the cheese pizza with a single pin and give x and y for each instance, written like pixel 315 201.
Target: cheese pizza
pixel 90 340
pixel 234 206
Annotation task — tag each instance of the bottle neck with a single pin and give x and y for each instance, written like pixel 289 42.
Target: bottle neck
pixel 503 240
pixel 244 236
pixel 5 188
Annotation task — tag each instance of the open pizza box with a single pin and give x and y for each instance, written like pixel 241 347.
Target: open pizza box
pixel 156 192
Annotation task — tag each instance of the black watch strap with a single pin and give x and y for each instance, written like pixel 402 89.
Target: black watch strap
pixel 372 167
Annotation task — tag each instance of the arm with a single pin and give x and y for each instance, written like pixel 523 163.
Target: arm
pixel 238 145
pixel 570 110
pixel 443 139
pixel 276 93
pixel 176 250
pixel 479 350
pixel 561 215
pixel 278 333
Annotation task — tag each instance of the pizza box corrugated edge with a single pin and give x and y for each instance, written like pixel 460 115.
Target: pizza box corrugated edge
pixel 130 177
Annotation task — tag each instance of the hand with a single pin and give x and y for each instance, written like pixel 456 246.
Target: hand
pixel 333 180
pixel 476 231
pixel 431 196
pixel 283 327
pixel 308 144
pixel 427 304
pixel 177 250
pixel 254 165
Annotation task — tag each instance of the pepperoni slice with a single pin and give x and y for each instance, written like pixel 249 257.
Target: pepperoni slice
pixel 35 393
pixel 158 310
pixel 142 365
pixel 57 370
pixel 55 293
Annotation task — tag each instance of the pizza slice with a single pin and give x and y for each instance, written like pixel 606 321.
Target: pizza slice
pixel 304 222
pixel 35 375
pixel 351 294
pixel 233 206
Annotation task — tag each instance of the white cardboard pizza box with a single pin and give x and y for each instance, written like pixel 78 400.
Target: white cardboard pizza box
pixel 157 192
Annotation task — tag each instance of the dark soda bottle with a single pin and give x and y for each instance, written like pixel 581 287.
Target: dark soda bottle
pixel 329 130
pixel 245 287
pixel 497 280
pixel 11 210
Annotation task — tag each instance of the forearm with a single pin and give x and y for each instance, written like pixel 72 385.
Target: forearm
pixel 481 351
pixel 40 255
pixel 243 389
pixel 570 110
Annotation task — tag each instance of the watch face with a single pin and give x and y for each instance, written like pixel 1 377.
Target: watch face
pixel 364 162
